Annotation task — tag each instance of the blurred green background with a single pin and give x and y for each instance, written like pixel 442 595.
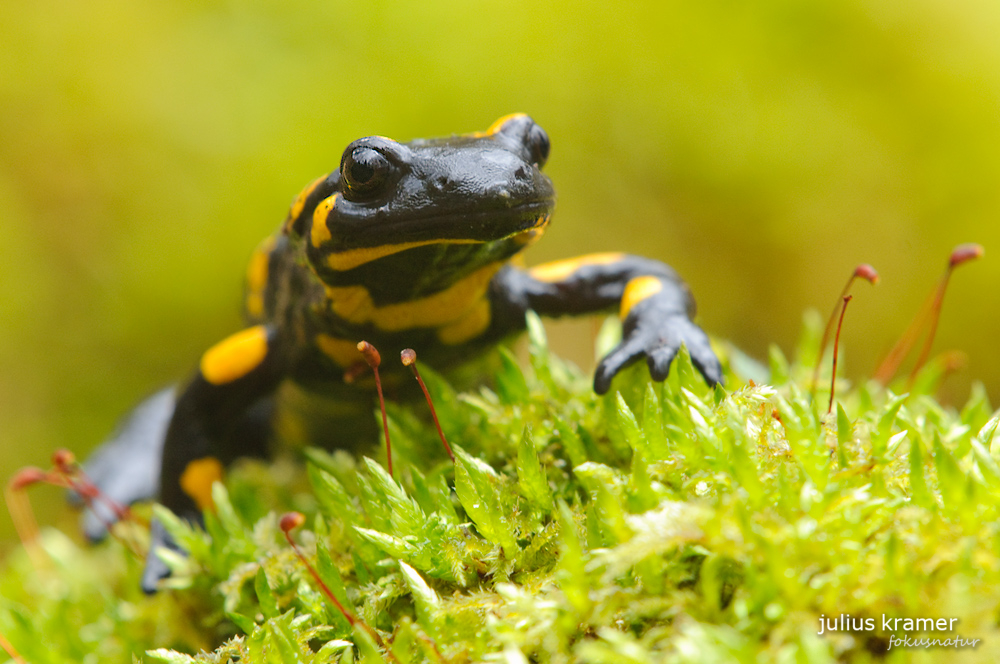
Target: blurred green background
pixel 763 149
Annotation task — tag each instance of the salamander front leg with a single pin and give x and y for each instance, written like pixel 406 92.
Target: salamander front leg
pixel 232 378
pixel 654 304
pixel 654 328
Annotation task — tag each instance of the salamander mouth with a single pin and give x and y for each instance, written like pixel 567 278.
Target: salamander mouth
pixel 459 227
pixel 368 240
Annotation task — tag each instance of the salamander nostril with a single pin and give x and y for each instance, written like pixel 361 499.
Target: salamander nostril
pixel 521 173
pixel 442 183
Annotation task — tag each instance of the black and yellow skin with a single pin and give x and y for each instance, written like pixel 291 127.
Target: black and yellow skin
pixel 404 245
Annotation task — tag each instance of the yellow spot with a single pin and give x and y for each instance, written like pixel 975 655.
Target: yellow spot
pixel 300 200
pixel 320 233
pixel 354 304
pixel 198 478
pixel 235 356
pixel 636 291
pixel 471 325
pixel 527 238
pixel 562 270
pixel 498 125
pixel 257 276
pixel 346 260
pixel 343 352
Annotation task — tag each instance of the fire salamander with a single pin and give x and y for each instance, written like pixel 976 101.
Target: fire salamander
pixel 404 245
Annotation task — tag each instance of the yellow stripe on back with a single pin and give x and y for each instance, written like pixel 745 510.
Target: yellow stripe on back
pixel 637 290
pixel 235 356
pixel 562 270
pixel 198 478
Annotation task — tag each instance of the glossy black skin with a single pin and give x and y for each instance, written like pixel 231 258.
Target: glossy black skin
pixel 476 200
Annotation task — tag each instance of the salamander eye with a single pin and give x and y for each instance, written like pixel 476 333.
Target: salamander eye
pixel 538 143
pixel 364 170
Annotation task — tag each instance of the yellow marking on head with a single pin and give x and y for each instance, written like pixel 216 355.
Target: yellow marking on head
pixel 637 290
pixel 257 270
pixel 354 304
pixel 235 356
pixel 351 258
pixel 562 270
pixel 345 353
pixel 300 200
pixel 527 238
pixel 197 480
pixel 320 233
pixel 469 326
pixel 496 126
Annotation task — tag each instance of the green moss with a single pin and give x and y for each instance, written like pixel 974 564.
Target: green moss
pixel 663 522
